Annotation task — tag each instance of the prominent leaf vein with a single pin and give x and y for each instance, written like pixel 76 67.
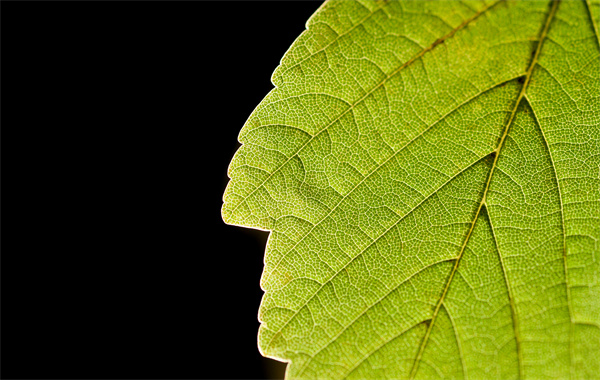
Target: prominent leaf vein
pixel 564 237
pixel 371 244
pixel 458 344
pixel 381 83
pixel 594 24
pixel 498 151
pixel 365 357
pixel 362 313
pixel 386 162
pixel 511 300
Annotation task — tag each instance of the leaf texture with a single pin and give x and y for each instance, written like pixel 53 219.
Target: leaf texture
pixel 430 175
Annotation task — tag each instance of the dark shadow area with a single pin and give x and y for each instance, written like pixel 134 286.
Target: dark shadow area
pixel 123 119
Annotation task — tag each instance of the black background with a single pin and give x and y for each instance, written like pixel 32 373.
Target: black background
pixel 122 119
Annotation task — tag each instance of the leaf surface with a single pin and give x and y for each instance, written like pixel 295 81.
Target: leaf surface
pixel 430 175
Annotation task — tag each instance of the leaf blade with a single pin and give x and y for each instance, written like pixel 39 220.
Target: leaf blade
pixel 356 173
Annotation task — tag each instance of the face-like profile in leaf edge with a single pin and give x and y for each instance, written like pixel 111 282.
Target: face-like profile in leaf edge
pixel 430 175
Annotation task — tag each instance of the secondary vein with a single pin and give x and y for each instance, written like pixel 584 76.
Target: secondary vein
pixel 378 167
pixel 513 308
pixel 388 77
pixel 487 184
pixel 594 26
pixel 564 236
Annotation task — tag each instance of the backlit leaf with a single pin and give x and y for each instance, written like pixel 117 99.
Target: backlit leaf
pixel 430 175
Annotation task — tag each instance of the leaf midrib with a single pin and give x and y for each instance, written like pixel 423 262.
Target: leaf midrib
pixel 483 203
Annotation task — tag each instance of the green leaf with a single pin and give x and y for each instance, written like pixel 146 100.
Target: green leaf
pixel 430 175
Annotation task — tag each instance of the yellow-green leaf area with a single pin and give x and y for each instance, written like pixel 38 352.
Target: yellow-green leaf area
pixel 430 175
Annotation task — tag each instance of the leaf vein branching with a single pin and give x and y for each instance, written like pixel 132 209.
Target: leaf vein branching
pixel 368 246
pixel 383 164
pixel 511 300
pixel 458 344
pixel 498 150
pixel 365 357
pixel 381 83
pixel 564 237
pixel 452 273
pixel 411 276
